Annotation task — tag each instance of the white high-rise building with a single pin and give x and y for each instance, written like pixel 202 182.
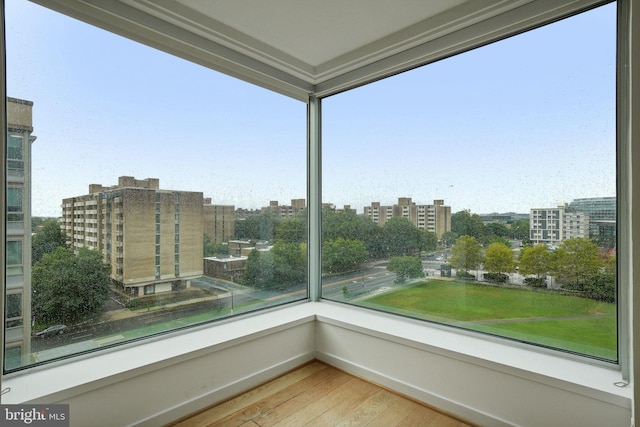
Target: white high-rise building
pixel 551 226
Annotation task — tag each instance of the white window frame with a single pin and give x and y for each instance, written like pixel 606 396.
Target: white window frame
pixel 628 265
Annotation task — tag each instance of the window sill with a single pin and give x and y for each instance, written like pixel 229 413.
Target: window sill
pixel 578 375
pixel 485 380
pixel 69 377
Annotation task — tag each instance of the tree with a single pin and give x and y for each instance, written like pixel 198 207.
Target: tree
pixel 48 238
pixel 258 272
pixel 498 259
pixel 341 255
pixel 602 287
pixel 495 229
pixel 427 241
pixel 350 226
pixel 213 249
pixel 501 240
pixel 38 221
pixel 257 227
pixel 464 223
pixel 466 254
pixel 405 267
pixel 448 238
pixel 291 230
pixel 576 262
pixel 520 230
pixel 401 237
pixel 535 260
pixel 289 264
pixel 68 288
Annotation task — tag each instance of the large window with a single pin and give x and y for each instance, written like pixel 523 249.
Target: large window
pixel 480 191
pixel 162 194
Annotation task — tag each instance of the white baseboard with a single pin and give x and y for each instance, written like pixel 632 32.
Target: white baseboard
pixel 223 392
pixel 440 403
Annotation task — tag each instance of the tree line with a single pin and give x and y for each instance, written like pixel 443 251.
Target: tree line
pixel 577 264
pixel 349 240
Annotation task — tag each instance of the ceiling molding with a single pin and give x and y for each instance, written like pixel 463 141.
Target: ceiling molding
pixel 202 37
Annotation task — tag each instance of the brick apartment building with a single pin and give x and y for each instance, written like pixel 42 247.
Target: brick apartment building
pixel 152 238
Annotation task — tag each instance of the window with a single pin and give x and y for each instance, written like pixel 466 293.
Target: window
pixel 15 164
pixel 177 142
pixel 524 123
pixel 14 252
pixel 14 204
pixel 14 257
pixel 14 310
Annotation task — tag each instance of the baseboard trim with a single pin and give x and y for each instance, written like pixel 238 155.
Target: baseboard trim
pixel 442 404
pixel 224 392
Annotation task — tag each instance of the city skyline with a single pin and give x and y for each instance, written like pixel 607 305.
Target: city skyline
pixel 125 109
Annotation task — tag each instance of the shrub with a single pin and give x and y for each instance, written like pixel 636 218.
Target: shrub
pixel 465 275
pixel 535 282
pixel 601 288
pixel 496 277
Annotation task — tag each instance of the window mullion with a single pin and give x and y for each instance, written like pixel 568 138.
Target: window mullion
pixel 314 195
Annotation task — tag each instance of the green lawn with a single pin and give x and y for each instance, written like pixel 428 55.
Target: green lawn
pixel 547 318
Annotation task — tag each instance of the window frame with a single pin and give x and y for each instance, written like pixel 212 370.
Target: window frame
pixel 623 184
pixel 625 211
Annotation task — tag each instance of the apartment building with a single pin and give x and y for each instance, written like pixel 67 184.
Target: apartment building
pixel 550 226
pixel 152 238
pixel 434 218
pixel 296 207
pixel 219 221
pixel 18 237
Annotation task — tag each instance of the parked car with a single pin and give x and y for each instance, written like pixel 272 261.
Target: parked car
pixel 51 331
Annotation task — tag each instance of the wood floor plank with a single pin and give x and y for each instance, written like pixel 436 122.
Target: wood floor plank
pixel 224 409
pixel 281 412
pixel 319 395
pixel 317 408
pixel 256 409
pixel 338 408
pixel 418 416
pixel 396 410
pixel 368 410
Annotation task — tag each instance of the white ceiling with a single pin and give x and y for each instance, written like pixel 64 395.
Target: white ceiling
pixel 303 47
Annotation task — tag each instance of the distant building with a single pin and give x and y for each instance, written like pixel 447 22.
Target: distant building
pixel 152 238
pixel 297 206
pixel 227 267
pixel 18 222
pixel 503 218
pixel 602 213
pixel 219 221
pixel 345 209
pixel 237 246
pixel 550 226
pixel 435 218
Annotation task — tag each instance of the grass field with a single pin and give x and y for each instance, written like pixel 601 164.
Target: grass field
pixel 540 317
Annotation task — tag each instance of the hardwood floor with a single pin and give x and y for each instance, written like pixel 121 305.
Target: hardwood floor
pixel 319 395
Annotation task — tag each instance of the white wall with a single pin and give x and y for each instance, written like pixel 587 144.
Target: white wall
pixel 489 383
pixel 478 390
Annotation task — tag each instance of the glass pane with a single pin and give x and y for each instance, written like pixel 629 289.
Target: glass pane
pixel 14 306
pixel 14 199
pixel 141 164
pixel 14 147
pixel 14 253
pixel 480 191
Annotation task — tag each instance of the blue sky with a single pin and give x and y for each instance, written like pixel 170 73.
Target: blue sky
pixel 526 122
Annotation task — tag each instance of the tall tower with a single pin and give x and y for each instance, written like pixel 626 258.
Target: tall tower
pixel 18 247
